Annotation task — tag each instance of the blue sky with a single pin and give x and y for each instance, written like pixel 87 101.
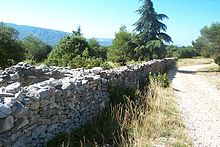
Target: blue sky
pixel 102 18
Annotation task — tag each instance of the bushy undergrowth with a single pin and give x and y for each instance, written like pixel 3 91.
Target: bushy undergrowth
pixel 133 118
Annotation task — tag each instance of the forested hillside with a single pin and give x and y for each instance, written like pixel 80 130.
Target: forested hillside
pixel 48 36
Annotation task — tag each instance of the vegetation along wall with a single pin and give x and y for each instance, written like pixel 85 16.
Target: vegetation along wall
pixel 37 103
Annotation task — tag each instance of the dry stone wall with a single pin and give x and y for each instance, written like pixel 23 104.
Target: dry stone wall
pixel 37 103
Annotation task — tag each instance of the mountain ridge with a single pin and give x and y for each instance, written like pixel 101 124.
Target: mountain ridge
pixel 49 36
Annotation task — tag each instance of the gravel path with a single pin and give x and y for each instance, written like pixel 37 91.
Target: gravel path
pixel 199 103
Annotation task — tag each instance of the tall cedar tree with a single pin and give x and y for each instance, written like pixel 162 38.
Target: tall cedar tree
pixel 150 28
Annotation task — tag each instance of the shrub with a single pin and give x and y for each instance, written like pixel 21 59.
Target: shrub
pixel 186 52
pixel 78 62
pixel 217 59
pixel 161 79
pixel 11 50
pixel 35 49
pixel 105 65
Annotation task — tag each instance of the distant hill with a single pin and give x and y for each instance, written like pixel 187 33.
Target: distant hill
pixel 48 36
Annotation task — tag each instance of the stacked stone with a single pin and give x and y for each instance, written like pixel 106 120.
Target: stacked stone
pixel 31 115
pixel 37 103
pixel 131 75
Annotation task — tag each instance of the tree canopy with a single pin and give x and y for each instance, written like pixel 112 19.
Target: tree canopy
pixel 151 31
pixel 11 50
pixel 35 49
pixel 67 49
pixel 208 44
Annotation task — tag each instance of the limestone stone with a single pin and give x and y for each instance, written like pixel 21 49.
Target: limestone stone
pixel 15 77
pixel 5 110
pixel 22 122
pixel 6 124
pixel 67 85
pixel 6 95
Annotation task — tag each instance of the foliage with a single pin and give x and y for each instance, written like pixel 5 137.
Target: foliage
pixel 79 62
pixel 106 65
pixel 11 50
pixel 125 44
pixel 35 49
pixel 186 52
pixel 97 51
pixel 217 59
pixel 74 46
pixel 171 50
pixel 208 44
pixel 151 31
pixel 181 52
pixel 162 79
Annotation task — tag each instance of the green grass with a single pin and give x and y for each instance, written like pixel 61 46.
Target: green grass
pixel 141 118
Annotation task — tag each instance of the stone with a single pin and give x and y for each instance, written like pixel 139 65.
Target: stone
pixel 13 88
pixel 19 96
pixel 17 106
pixel 23 122
pixel 40 93
pixel 96 70
pixel 67 85
pixel 9 100
pixel 6 124
pixel 35 106
pixel 20 111
pixel 52 127
pixel 1 80
pixel 5 110
pixel 52 100
pixel 27 101
pixel 6 95
pixel 20 142
pixel 14 77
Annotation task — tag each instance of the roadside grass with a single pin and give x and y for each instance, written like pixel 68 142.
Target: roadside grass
pixel 212 74
pixel 212 68
pixel 142 118
pixel 193 61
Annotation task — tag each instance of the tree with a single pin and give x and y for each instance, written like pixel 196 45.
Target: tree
pixel 67 49
pixel 96 50
pixel 124 44
pixel 11 50
pixel 35 49
pixel 151 30
pixel 208 44
pixel 78 31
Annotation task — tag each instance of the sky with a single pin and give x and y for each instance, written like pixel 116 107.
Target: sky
pixel 102 18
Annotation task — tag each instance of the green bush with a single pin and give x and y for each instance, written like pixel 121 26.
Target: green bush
pixel 35 49
pixel 105 65
pixel 186 52
pixel 217 59
pixel 78 62
pixel 11 50
pixel 161 79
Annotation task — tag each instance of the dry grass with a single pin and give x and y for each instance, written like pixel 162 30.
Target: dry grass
pixel 193 61
pixel 212 74
pixel 162 124
pixel 149 118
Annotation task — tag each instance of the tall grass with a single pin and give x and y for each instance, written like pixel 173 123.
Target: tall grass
pixel 144 118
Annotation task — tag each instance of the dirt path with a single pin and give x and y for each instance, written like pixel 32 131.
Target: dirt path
pixel 199 103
